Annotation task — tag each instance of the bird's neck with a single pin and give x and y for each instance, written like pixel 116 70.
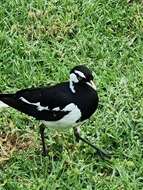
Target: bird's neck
pixel 75 86
pixel 72 86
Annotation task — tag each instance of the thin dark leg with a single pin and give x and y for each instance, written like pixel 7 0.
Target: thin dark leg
pixel 76 134
pixel 42 128
pixel 101 152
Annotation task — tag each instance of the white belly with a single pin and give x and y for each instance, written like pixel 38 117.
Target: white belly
pixel 68 120
pixel 58 124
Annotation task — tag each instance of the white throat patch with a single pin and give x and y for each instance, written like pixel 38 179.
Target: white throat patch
pixel 73 79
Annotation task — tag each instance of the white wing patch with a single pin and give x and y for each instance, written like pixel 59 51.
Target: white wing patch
pixel 68 120
pixel 39 107
pixel 56 109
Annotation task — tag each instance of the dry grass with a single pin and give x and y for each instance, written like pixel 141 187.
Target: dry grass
pixel 12 142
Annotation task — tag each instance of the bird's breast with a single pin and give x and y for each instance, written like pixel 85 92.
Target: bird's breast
pixel 87 102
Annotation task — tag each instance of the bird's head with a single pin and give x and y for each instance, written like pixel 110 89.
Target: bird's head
pixel 79 75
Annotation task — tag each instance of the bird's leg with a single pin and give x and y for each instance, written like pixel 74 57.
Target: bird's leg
pixel 100 152
pixel 42 128
pixel 76 134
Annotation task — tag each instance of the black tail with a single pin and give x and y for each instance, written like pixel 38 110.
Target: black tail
pixel 12 100
pixel 6 96
pixel 7 99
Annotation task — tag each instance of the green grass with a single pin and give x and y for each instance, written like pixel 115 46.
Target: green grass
pixel 40 41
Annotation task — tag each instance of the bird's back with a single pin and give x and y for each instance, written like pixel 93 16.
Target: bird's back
pixel 55 102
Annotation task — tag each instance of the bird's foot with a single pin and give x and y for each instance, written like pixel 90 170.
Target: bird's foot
pixel 76 134
pixel 103 154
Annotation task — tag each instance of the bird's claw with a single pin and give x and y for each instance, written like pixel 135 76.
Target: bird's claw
pixel 103 154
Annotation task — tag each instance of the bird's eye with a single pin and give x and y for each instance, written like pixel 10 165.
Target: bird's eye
pixel 78 77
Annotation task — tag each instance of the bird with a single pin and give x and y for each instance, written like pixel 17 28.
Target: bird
pixel 64 105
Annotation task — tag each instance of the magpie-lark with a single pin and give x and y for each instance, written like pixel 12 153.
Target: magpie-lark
pixel 67 104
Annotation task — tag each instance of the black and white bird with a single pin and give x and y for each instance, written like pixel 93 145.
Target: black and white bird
pixel 67 104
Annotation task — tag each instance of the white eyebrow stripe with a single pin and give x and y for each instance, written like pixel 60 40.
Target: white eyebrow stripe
pixel 39 107
pixel 80 74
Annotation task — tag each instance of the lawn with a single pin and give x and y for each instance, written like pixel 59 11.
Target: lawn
pixel 40 41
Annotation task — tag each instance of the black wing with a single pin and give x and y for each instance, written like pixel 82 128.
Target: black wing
pixel 42 103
